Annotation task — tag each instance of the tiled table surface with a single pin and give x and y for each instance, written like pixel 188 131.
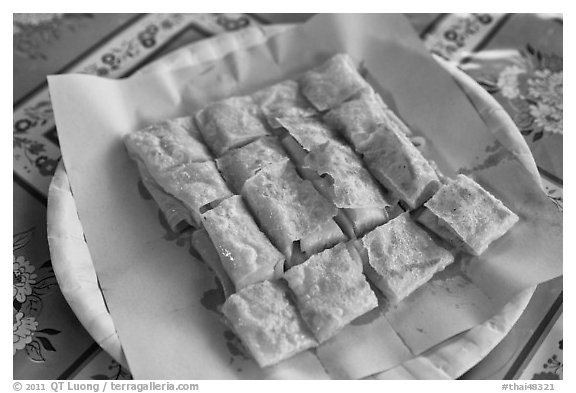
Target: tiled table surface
pixel 518 58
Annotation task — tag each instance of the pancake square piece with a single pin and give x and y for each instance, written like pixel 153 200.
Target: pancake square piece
pixel 230 123
pixel 245 252
pixel 283 99
pixel 240 164
pixel 195 184
pixel 304 134
pixel 200 241
pixel 330 290
pixel 332 83
pixel 343 179
pixel 176 214
pixel 400 167
pixel 166 144
pixel 346 178
pixel 308 132
pixel 466 215
pixel 402 257
pixel 356 119
pixel 267 322
pixel 289 208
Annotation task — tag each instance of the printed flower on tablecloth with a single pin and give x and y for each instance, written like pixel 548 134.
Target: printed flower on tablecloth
pixel 31 283
pixel 231 23
pixel 115 373
pixel 533 87
pixel 33 33
pixel 546 88
pixel 27 146
pixel 23 278
pixel 508 81
pixel 46 166
pixel 23 330
pixel 553 368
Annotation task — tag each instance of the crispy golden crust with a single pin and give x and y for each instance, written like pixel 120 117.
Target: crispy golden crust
pixel 466 211
pixel 402 257
pixel 267 323
pixel 330 290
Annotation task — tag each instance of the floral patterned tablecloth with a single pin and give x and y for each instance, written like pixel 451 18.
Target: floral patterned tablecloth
pixel 547 362
pixel 516 57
